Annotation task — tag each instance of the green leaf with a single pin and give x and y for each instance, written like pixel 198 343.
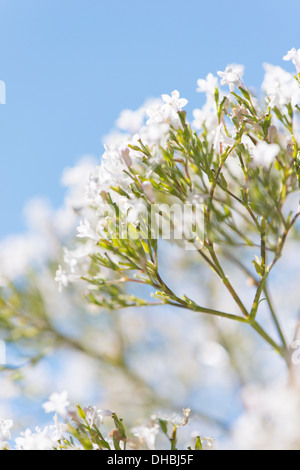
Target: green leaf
pixel 163 426
pixel 258 267
pixel 120 426
pixel 245 93
pixel 198 445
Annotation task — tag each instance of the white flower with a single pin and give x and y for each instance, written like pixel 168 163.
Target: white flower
pixel 137 212
pixel 76 257
pixel 58 403
pixel 95 417
pixel 62 278
pixel 222 138
pixel 206 116
pixel 146 435
pixel 5 426
pixel 177 419
pixel 35 441
pixel 148 190
pixel 113 167
pixel 264 153
pixel 168 112
pixel 232 76
pixel 4 445
pixel 294 56
pixel 208 85
pixel 131 121
pixel 270 420
pixel 280 87
pixel 174 101
pixel 125 154
pixel 92 187
pixel 208 443
pixel 84 230
pixel 154 133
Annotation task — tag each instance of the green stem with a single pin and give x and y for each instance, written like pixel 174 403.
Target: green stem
pixel 275 319
pixel 256 301
pixel 267 338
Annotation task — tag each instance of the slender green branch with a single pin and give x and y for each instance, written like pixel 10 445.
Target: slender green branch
pixel 276 321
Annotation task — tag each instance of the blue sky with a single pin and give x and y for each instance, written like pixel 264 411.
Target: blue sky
pixel 71 66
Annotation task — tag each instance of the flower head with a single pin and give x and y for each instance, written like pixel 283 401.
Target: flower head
pixel 35 441
pixel 95 417
pixel 84 230
pixel 222 138
pixel 264 153
pixel 174 101
pixel 294 56
pixel 61 277
pixel 232 76
pixel 146 435
pixel 208 85
pixel 58 403
pixel 5 426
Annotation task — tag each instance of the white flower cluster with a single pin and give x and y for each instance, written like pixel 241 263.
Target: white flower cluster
pixel 112 180
pixel 57 436
pixel 270 420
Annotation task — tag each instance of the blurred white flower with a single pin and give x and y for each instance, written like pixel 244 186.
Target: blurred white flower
pixel 58 403
pixel 146 435
pixel 35 441
pixel 84 230
pixel 294 56
pixel 62 278
pixel 270 420
pixel 208 85
pixel 280 86
pixel 206 116
pixel 264 154
pixel 5 426
pixel 148 190
pixel 131 121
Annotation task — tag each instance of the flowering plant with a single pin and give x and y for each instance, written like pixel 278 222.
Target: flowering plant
pixel 219 195
pixel 242 170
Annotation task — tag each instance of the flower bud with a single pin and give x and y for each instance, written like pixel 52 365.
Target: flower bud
pixel 272 132
pixel 125 154
pixel 148 190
